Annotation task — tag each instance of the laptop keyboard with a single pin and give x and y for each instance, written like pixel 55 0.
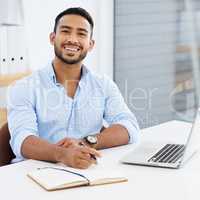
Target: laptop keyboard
pixel 170 153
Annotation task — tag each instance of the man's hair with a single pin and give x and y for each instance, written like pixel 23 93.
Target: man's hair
pixel 75 11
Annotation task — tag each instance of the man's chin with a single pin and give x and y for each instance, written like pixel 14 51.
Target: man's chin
pixel 71 61
pixel 68 60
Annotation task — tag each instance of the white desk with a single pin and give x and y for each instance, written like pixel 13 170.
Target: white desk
pixel 143 182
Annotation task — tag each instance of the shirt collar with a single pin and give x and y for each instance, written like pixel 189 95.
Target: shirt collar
pixel 51 73
pixel 84 73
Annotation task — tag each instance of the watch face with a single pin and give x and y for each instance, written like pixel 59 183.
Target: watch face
pixel 92 139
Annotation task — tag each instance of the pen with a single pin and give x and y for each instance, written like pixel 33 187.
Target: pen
pixel 91 155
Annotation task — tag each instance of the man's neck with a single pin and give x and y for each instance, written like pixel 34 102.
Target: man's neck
pixel 65 73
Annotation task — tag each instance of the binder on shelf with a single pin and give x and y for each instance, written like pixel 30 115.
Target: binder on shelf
pixel 3 50
pixel 17 55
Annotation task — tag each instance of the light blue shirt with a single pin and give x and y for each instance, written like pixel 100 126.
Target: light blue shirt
pixel 38 105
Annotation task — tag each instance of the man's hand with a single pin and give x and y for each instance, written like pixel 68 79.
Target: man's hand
pixel 66 142
pixel 77 156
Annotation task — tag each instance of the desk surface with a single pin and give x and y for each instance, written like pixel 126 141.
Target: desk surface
pixel 143 182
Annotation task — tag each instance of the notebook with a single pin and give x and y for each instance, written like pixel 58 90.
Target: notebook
pixel 56 178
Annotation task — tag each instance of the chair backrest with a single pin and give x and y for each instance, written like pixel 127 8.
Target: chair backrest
pixel 6 153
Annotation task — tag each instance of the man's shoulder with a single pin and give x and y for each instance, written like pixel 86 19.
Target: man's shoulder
pixel 32 79
pixel 25 81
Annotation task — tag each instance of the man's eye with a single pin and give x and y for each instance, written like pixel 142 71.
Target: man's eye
pixel 65 31
pixel 82 34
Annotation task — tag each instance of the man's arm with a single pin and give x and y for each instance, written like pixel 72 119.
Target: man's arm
pixel 73 156
pixel 36 148
pixel 114 135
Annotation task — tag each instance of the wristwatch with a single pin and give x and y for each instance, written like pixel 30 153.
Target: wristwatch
pixel 91 140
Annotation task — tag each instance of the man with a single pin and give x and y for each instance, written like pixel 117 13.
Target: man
pixel 57 113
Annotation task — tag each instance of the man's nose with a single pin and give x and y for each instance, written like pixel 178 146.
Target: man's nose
pixel 72 38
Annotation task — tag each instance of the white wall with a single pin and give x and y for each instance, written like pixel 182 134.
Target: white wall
pixel 10 12
pixel 39 21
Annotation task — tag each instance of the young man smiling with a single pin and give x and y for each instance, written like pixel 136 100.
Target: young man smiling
pixel 57 113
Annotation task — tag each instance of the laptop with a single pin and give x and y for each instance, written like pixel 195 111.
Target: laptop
pixel 165 155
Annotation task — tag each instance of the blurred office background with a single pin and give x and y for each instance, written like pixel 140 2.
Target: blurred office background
pixel 156 52
pixel 149 47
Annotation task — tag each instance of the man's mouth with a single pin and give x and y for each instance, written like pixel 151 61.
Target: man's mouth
pixel 72 48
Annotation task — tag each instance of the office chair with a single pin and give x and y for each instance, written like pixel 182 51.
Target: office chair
pixel 6 153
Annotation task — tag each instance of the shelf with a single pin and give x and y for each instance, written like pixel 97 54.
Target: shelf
pixel 3 116
pixel 7 79
pixel 184 49
pixel 183 76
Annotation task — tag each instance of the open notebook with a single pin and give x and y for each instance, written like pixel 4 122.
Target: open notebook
pixel 55 178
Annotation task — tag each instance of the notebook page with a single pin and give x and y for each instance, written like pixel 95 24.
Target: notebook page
pixel 51 178
pixel 97 172
pixel 94 175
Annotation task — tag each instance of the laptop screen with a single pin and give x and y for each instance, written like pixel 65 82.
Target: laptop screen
pixel 185 96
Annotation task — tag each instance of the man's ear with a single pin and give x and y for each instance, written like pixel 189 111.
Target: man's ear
pixel 52 37
pixel 92 42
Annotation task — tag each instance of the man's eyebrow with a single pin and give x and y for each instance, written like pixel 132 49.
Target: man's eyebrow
pixel 64 26
pixel 82 29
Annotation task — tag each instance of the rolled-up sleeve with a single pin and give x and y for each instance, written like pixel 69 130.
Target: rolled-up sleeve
pixel 22 120
pixel 117 112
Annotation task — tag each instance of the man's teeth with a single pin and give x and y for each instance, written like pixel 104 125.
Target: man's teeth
pixel 71 49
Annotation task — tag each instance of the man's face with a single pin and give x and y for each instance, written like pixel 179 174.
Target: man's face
pixel 72 39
